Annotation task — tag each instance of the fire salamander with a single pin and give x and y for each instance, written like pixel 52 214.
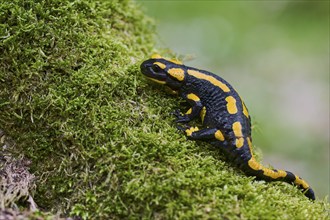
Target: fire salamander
pixel 226 121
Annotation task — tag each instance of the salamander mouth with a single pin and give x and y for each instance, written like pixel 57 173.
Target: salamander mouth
pixel 147 70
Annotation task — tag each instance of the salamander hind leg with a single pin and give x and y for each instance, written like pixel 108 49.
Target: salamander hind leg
pixel 194 133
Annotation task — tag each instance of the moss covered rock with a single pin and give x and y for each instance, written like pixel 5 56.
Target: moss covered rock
pixel 101 140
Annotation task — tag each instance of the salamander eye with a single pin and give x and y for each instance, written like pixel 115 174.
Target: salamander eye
pixel 156 68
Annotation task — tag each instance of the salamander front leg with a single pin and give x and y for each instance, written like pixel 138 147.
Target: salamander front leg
pixel 193 112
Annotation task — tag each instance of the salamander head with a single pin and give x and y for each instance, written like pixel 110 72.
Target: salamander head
pixel 165 72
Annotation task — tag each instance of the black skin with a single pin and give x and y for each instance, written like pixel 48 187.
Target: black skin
pixel 217 117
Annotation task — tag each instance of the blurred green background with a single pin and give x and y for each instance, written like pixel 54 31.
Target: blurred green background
pixel 276 55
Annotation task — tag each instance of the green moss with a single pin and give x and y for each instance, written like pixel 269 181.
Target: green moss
pixel 102 140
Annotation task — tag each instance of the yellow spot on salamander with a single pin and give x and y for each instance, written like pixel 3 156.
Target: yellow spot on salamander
pixel 249 143
pixel 193 97
pixel 156 56
pixel 239 142
pixel 177 73
pixel 237 128
pixel 300 182
pixel 211 79
pixel 254 164
pixel 245 111
pixel 191 130
pixel 219 136
pixel 202 114
pixel 161 65
pixel 157 81
pixel 189 111
pixel 231 105
pixel 274 174
pixel 266 171
pixel 176 61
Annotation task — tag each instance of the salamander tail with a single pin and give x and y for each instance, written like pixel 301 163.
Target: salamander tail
pixel 256 169
pixel 300 183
